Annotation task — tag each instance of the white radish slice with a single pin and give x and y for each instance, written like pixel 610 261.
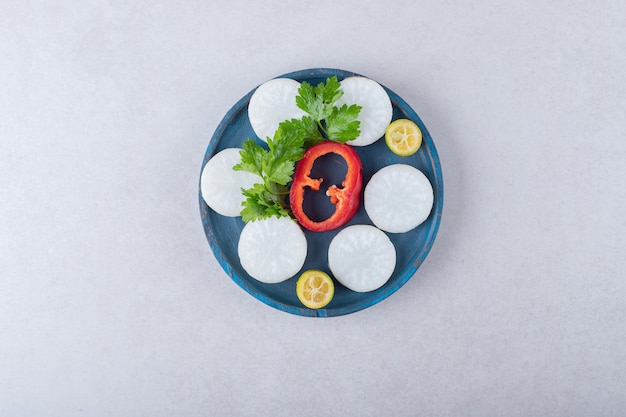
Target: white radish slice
pixel 376 110
pixel 271 103
pixel 272 250
pixel 362 257
pixel 398 198
pixel 221 186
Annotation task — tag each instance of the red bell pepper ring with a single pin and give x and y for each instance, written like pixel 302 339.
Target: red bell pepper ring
pixel 346 198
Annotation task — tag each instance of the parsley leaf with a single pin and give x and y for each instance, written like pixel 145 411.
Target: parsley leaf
pixel 308 101
pixel 261 204
pixel 252 156
pixel 285 150
pixel 343 124
pixel 318 101
pixel 329 91
pixel 306 128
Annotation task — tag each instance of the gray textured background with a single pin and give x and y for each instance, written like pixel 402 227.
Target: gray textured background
pixel 112 304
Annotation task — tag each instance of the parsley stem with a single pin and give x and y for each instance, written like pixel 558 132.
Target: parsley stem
pixel 322 128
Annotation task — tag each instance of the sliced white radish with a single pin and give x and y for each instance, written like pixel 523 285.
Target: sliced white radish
pixel 398 198
pixel 221 186
pixel 376 109
pixel 272 250
pixel 362 257
pixel 271 103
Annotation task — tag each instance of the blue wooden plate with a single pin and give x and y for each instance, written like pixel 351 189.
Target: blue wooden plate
pixel 411 247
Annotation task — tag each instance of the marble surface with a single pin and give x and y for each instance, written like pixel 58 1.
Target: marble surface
pixel 112 303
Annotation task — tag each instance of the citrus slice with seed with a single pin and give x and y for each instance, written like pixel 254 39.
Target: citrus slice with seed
pixel 403 137
pixel 315 289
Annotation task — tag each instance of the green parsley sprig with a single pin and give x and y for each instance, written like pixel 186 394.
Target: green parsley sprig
pixel 276 165
pixel 339 124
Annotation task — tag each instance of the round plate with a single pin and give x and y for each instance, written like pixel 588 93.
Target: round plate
pixel 412 247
